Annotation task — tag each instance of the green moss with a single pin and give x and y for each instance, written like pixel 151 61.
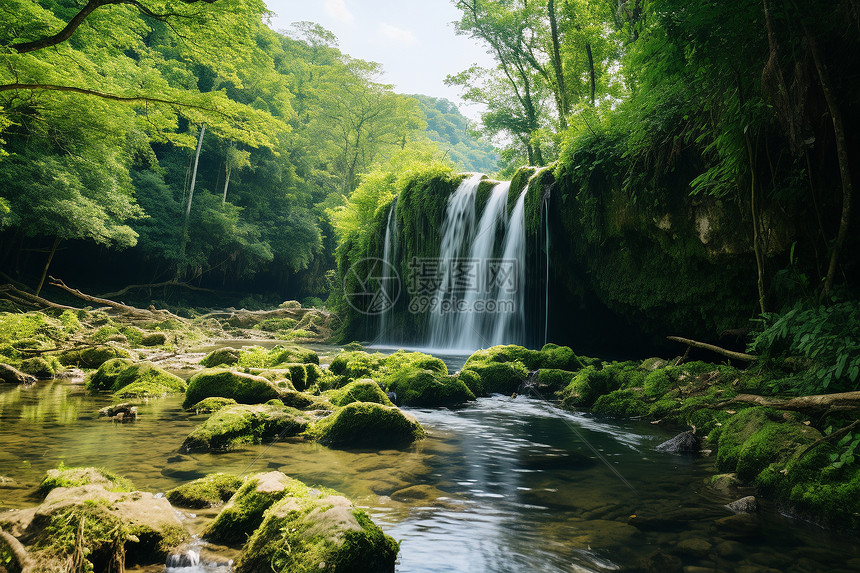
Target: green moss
pixel 317 532
pixel 365 424
pixel 276 324
pixel 145 380
pixel 364 390
pixel 41 367
pixel 243 424
pixel 519 182
pixel 221 357
pixel 357 364
pixel 105 377
pixel 293 354
pixel 558 357
pixel 244 512
pixel 500 377
pixel 621 404
pixel 78 476
pixel 657 383
pixel 588 384
pixel 305 401
pixel 554 380
pixel 244 388
pixel 212 404
pixel 208 491
pixel 92 357
pixel 429 388
pixel 473 382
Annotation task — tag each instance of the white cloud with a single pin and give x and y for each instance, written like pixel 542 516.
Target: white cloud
pixel 337 9
pixel 397 34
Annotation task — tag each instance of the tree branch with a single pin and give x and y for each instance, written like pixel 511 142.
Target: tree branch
pixel 712 348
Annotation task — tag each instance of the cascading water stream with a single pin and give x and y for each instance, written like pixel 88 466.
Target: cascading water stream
pixel 457 230
pixel 389 255
pixel 509 327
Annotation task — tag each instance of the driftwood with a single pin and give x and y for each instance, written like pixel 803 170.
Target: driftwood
pixel 837 434
pixel 19 552
pixel 150 313
pixel 19 296
pixel 242 318
pixel 156 285
pixel 813 404
pixel 721 351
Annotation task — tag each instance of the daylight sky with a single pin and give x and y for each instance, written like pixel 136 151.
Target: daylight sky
pixel 413 39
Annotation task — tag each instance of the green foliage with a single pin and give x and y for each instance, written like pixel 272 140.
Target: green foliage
pixel 208 491
pixel 827 336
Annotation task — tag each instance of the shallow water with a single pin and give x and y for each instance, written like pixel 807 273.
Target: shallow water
pixel 504 485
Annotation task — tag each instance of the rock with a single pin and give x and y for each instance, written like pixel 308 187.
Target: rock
pixel 234 426
pixel 11 375
pixel 605 533
pixel 305 401
pixel 740 526
pixel 293 355
pixel 725 483
pixel 683 443
pixel 244 511
pixel 364 390
pixel 40 367
pixel 659 562
pixel 105 377
pixel 743 505
pixel 124 412
pixel 110 524
pixel 92 357
pixel 154 339
pixel 244 388
pixel 730 550
pixel 7 482
pixel 694 547
pixel 654 363
pixel 209 491
pixel 309 530
pixel 365 424
pixel 80 476
pixel 429 388
pixel 145 380
pixel 212 404
pixel 417 493
pixel 221 357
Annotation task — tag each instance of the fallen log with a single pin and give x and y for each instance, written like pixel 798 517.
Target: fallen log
pixel 18 551
pixel 837 434
pixel 721 351
pixel 156 285
pixel 133 311
pixel 21 297
pixel 812 404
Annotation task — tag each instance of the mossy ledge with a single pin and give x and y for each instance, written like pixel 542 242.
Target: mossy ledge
pixel 782 453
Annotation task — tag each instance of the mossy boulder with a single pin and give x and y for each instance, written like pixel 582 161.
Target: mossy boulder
pixel 244 511
pixel 498 377
pixel 146 380
pixel 357 364
pixel 153 339
pixel 243 424
pixel 621 404
pixel 105 377
pixel 558 357
pixel 92 357
pixel 212 404
pixel 305 401
pixel 221 357
pixel 588 384
pixel 292 355
pixel 364 390
pixel 367 425
pixel 310 531
pixel 78 476
pixel 244 388
pixel 553 380
pixel 41 367
pixel 209 491
pixel 417 387
pixel 473 381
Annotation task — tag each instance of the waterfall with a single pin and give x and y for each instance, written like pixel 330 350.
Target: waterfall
pixel 457 230
pixel 471 326
pixel 389 286
pixel 510 321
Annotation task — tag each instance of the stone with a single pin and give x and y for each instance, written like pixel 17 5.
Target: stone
pixel 221 357
pixel 694 547
pixel 725 483
pixel 740 526
pixel 660 562
pixel 743 505
pixel 244 388
pixel 366 424
pixel 154 339
pixel 684 443
pixel 417 493
pixel 234 426
pixel 124 412
pixel 209 491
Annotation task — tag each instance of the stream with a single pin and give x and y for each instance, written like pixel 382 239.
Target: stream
pixel 502 485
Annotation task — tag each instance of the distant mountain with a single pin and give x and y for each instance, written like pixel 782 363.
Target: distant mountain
pixel 448 127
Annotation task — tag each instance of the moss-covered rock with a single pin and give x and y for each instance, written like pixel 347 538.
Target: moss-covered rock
pixel 552 380
pixel 621 404
pixel 292 355
pixel 242 424
pixel 244 388
pixel 244 511
pixel 364 390
pixel 559 357
pixel 212 404
pixel 310 531
pixel 146 380
pixel 221 357
pixel 473 381
pixel 209 491
pixel 366 424
pixel 591 383
pixel 499 377
pixel 78 476
pixel 41 367
pixel 153 339
pixel 417 387
pixel 305 401
pixel 92 357
pixel 357 364
pixel 105 377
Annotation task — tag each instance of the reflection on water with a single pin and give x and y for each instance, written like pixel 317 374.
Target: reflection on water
pixel 504 485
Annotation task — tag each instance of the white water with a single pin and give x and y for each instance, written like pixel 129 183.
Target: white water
pixel 510 327
pixel 457 229
pixel 389 255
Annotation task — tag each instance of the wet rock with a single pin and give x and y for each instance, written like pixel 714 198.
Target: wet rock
pixel 209 491
pixel 427 388
pixel 105 377
pixel 40 367
pixel 365 424
pixel 146 380
pixel 308 530
pixel 729 549
pixel 7 482
pixel 221 357
pixel 740 526
pixel 81 476
pixel 212 404
pixel 244 511
pixel 683 443
pixel 92 357
pixel 417 493
pixel 244 388
pixel 694 547
pixel 725 483
pixel 305 401
pixel 124 412
pixel 605 533
pixel 743 505
pixel 11 375
pixel 234 426
pixel 660 562
pixel 364 390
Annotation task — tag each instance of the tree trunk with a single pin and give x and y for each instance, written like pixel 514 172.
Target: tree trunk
pixel 194 172
pixel 591 71
pixel 556 64
pixel 226 183
pixel 47 264
pixel 841 155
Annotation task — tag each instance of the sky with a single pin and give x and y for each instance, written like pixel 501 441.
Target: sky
pixel 414 40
